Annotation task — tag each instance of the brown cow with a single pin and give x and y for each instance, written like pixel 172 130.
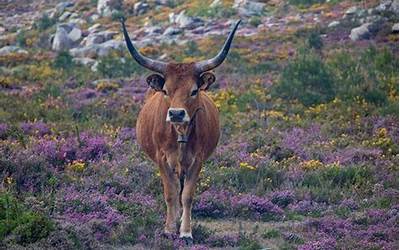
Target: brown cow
pixel 178 127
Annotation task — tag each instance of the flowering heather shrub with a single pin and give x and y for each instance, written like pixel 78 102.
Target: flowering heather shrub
pixel 322 244
pixel 212 203
pixel 297 139
pixel 35 128
pixel 68 149
pixel 3 131
pixel 282 198
pixel 228 240
pixel 249 205
pixel 306 207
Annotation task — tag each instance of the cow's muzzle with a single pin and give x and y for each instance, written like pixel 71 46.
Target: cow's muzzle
pixel 177 115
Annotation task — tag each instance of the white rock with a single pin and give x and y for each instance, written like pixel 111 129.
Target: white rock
pixel 84 61
pixel 106 7
pixel 333 24
pixel 75 34
pixel 140 8
pixel 61 40
pixel 360 33
pixel 64 16
pixel 170 31
pixel 216 3
pixel 7 50
pixel 249 8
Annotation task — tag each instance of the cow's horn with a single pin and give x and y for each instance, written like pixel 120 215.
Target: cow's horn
pixel 212 63
pixel 148 63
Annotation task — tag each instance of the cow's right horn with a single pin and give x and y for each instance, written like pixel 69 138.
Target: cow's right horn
pixel 212 63
pixel 148 63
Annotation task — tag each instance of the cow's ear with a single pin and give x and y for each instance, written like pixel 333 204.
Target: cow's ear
pixel 155 81
pixel 206 79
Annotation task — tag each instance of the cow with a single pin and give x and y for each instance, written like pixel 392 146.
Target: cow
pixel 178 127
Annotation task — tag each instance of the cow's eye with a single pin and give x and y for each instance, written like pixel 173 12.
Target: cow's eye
pixel 194 92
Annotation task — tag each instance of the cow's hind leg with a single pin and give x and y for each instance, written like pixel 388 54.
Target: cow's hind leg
pixel 171 195
pixel 189 188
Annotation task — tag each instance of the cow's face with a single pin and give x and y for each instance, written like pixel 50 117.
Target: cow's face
pixel 181 88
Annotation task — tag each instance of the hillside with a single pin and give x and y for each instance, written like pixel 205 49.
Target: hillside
pixel 308 100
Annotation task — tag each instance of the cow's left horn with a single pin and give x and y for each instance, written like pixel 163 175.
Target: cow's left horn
pixel 148 63
pixel 212 63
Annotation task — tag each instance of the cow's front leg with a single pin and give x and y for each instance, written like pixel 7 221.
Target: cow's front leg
pixel 171 196
pixel 189 188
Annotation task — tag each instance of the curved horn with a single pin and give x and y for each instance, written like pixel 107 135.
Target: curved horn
pixel 212 63
pixel 148 63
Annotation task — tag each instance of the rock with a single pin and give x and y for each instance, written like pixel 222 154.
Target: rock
pixel 248 7
pixel 171 31
pixel 75 34
pixel 62 6
pixel 88 52
pixel 77 21
pixel 185 21
pixel 97 50
pixel 93 18
pixel 395 28
pixel 7 50
pixel 388 6
pixel 351 11
pixel 140 8
pixel 106 7
pixel 84 61
pixel 61 40
pixel 100 37
pixel 153 30
pixel 361 32
pixel 94 28
pixel 216 3
pixel 333 24
pixel 64 16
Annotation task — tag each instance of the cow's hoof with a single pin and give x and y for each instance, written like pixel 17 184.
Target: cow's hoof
pixel 188 241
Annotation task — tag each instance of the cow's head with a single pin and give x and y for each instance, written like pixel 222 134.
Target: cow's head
pixel 181 83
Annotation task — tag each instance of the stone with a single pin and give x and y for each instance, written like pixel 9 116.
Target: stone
pixel 84 52
pixel 395 28
pixel 61 40
pixel 94 27
pixel 62 6
pixel 75 34
pixel 100 37
pixel 333 24
pixel 97 50
pixel 84 61
pixel 64 16
pixel 216 3
pixel 93 18
pixel 7 50
pixel 171 31
pixel 153 30
pixel 184 21
pixel 352 10
pixel 140 8
pixel 106 7
pixel 361 32
pixel 248 7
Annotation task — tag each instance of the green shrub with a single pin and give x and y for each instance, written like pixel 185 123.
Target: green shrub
pixel 21 38
pixel 255 21
pixel 44 22
pixel 117 15
pixel 314 40
pixel 271 234
pixel 23 225
pixel 307 79
pixel 63 60
pixel 304 3
pixel 371 75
